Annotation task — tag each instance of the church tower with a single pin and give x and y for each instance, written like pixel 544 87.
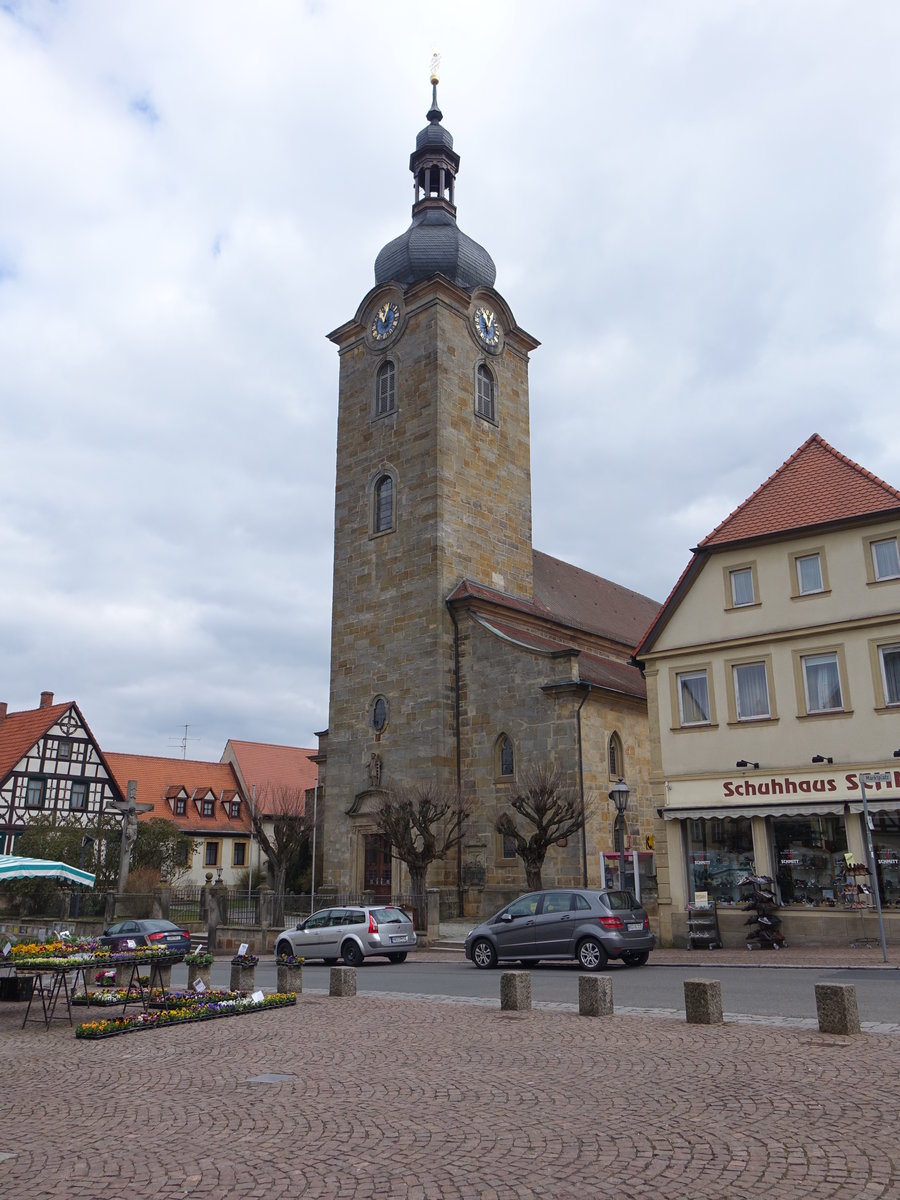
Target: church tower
pixel 433 487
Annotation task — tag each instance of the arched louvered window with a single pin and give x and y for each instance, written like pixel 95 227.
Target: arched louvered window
pixel 384 504
pixel 385 392
pixel 485 392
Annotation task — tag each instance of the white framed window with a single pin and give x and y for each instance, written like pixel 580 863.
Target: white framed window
pixel 208 808
pixel 822 683
pixel 742 590
pixel 751 691
pixel 885 559
pixel 693 698
pixel 809 574
pixel 889 657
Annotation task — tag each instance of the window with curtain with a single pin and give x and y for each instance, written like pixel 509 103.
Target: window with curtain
pixel 822 681
pixel 385 391
pixel 886 559
pixel 384 504
pixel 78 797
pixel 809 574
pixel 751 691
pixel 742 587
pixel 693 698
pixel 890 671
pixel 484 393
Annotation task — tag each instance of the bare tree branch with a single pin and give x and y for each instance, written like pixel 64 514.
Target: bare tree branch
pixel 553 810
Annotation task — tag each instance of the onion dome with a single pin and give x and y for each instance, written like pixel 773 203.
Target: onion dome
pixel 434 244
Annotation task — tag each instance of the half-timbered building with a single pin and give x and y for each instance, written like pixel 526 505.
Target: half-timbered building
pixel 51 765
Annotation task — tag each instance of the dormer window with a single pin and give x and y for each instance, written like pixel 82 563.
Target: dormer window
pixel 208 808
pixel 235 808
pixel 180 806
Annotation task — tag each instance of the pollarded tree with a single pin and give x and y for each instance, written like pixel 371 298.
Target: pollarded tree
pixel 550 812
pixel 423 823
pixel 283 826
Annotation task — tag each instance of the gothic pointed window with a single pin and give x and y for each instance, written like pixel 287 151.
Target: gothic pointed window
pixel 616 760
pixel 384 504
pixel 485 393
pixel 507 759
pixel 385 389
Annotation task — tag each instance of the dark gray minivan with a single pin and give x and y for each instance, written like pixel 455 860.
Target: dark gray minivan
pixel 586 924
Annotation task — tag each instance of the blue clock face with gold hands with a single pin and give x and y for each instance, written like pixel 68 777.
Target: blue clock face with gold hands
pixel 386 321
pixel 487 326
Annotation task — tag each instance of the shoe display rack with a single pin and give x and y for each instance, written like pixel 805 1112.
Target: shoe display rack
pixel 759 899
pixel 703 927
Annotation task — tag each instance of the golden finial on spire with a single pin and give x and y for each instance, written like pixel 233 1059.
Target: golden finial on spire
pixel 435 67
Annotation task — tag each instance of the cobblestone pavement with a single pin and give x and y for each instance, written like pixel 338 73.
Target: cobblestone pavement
pixel 422 1100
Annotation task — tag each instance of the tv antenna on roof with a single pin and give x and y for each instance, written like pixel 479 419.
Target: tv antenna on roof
pixel 183 741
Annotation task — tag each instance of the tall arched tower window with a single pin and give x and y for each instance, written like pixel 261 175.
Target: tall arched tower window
pixel 485 393
pixel 383 496
pixel 616 758
pixel 385 389
pixel 505 759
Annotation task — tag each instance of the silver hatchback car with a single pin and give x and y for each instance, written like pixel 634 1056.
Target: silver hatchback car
pixel 352 932
pixel 582 923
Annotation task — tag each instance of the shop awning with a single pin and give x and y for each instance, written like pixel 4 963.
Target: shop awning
pixel 15 867
pixel 763 810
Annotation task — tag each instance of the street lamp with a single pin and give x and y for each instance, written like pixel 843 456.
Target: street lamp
pixel 619 794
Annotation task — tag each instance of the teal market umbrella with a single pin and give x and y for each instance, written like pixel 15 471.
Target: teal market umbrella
pixel 13 866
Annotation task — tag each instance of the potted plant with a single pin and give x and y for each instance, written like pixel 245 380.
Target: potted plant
pixel 199 966
pixel 290 973
pixel 243 971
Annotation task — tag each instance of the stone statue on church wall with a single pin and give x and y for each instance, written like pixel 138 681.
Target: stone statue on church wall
pixel 375 770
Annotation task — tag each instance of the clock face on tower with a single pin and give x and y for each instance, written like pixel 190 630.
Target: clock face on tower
pixel 487 326
pixel 386 321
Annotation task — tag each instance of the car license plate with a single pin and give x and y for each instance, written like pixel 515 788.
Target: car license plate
pixel 635 926
pixel 400 938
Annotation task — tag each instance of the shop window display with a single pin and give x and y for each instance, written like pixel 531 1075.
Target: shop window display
pixel 809 852
pixel 886 844
pixel 720 853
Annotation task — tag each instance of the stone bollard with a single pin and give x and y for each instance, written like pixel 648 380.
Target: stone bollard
pixel 243 979
pixel 202 973
pixel 342 981
pixel 290 979
pixel 515 991
pixel 836 1008
pixel 161 977
pixel 595 996
pixel 703 1001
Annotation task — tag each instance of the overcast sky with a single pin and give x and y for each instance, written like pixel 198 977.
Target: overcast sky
pixel 695 207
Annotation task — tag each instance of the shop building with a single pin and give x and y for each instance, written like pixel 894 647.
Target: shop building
pixel 773 683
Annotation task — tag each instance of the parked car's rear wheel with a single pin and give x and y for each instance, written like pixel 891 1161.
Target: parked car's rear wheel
pixel 284 948
pixel 591 954
pixel 484 954
pixel 400 956
pixel 351 954
pixel 635 958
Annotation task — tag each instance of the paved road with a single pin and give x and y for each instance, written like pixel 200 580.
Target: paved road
pixel 782 992
pixel 367 1098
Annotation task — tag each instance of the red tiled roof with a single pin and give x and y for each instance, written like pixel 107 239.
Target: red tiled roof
pixel 570 596
pixel 272 769
pixel 20 730
pixel 159 778
pixel 816 486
